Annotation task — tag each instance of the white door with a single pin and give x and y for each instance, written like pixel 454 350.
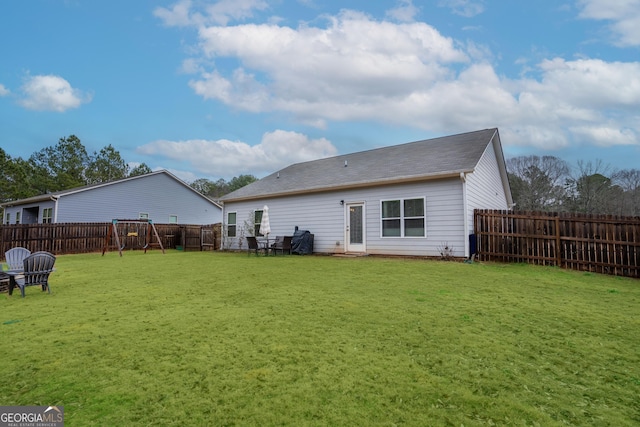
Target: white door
pixel 355 228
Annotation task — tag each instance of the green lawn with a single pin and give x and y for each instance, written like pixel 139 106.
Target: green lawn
pixel 202 338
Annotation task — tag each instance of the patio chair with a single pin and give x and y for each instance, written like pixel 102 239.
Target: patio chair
pixel 37 268
pixel 282 244
pixel 15 256
pixel 255 246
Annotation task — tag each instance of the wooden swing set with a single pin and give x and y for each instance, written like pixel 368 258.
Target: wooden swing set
pixel 123 230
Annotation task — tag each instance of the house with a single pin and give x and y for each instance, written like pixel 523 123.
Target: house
pixel 159 196
pixel 409 199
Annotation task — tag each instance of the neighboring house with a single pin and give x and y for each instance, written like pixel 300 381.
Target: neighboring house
pixel 409 199
pixel 159 196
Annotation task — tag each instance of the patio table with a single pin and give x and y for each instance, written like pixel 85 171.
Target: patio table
pixel 4 281
pixel 264 242
pixel 12 278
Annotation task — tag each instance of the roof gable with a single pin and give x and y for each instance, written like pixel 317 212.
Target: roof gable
pixel 62 193
pixel 420 160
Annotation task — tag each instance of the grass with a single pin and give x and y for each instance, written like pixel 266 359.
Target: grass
pixel 203 338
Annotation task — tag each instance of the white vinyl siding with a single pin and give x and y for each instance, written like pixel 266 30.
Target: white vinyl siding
pixel 324 215
pixel 484 186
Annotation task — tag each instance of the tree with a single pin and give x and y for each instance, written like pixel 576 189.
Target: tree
pixel 220 187
pixel 240 181
pixel 16 178
pixel 61 166
pixel 629 182
pixel 211 189
pixel 107 165
pixel 591 191
pixel 537 182
pixel 6 180
pixel 141 169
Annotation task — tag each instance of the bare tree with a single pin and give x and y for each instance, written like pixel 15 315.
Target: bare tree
pixel 591 190
pixel 629 182
pixel 537 183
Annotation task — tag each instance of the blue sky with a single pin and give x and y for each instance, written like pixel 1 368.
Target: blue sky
pixel 215 89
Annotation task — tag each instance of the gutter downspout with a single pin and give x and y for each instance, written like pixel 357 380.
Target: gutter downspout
pixel 223 227
pixel 465 208
pixel 55 199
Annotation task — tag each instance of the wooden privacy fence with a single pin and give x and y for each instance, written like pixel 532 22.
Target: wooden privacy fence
pixel 598 243
pixel 73 238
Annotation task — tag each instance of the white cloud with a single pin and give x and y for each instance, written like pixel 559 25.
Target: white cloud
pixel 404 12
pixel 223 11
pixel 579 103
pixel 184 13
pixel 466 8
pixel 593 83
pixel 337 72
pixel 605 135
pixel 178 15
pixel 356 68
pixel 51 93
pixel 624 16
pixel 4 91
pixel 231 158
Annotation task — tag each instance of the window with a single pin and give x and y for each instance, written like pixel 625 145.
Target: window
pixel 47 215
pixel 257 219
pixel 17 217
pixel 143 215
pixel 403 218
pixel 231 224
pixel 8 220
pixel 173 219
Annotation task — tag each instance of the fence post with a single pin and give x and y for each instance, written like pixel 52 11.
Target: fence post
pixel 558 249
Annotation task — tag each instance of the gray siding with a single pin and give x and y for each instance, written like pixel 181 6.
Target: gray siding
pixel 324 216
pixel 158 195
pixel 27 210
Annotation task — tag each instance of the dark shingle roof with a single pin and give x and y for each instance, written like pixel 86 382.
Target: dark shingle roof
pixel 425 159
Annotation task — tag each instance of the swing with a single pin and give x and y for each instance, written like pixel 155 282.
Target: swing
pixel 131 228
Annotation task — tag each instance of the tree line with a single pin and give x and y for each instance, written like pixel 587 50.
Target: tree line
pixel 544 183
pixel 548 183
pixel 60 167
pixel 68 164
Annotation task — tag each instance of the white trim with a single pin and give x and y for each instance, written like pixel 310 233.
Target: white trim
pixel 348 247
pixel 465 208
pixel 402 217
pixel 226 223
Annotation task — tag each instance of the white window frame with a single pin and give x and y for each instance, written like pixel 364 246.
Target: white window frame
pixel 18 217
pixel 47 219
pixel 234 225
pixel 173 219
pixel 402 218
pixel 8 220
pixel 143 215
pixel 256 224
